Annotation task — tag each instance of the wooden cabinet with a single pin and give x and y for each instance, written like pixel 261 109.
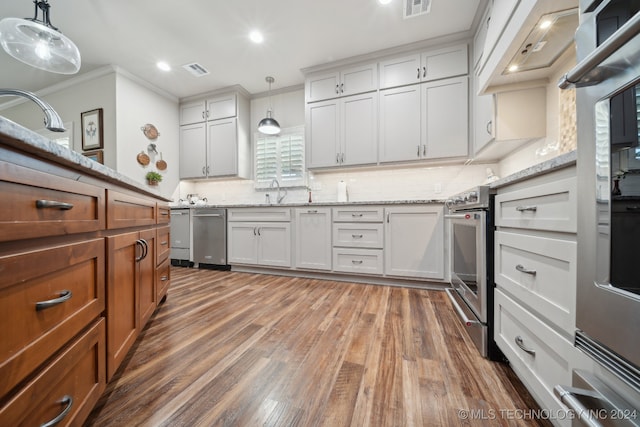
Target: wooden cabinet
pixel 313 238
pixel 414 242
pixel 425 66
pixel 163 244
pixel 342 132
pixel 426 121
pixel 344 82
pixel 214 137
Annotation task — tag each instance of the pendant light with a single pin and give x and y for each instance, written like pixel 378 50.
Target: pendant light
pixel 38 43
pixel 269 125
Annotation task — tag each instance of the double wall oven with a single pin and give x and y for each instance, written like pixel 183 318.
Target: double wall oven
pixel 607 82
pixel 471 228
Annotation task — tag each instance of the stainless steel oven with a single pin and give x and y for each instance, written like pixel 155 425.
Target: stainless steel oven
pixel 471 228
pixel 607 79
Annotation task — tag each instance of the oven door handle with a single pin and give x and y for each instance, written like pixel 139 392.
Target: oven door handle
pixel 463 316
pixel 458 216
pixel 581 71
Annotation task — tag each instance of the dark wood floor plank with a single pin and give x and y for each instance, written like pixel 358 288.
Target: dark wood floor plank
pixel 234 349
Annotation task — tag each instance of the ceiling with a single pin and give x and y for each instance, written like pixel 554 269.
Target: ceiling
pixel 135 34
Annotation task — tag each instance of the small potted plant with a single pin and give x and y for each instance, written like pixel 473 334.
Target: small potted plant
pixel 153 178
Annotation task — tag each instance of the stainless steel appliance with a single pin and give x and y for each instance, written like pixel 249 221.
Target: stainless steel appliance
pixel 607 78
pixel 210 237
pixel 181 237
pixel 471 230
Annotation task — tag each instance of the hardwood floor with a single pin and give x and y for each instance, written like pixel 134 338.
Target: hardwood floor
pixel 241 349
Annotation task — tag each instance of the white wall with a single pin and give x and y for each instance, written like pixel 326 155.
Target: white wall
pixel 137 105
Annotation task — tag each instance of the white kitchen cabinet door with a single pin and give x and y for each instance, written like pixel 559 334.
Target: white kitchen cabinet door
pixel 222 107
pixel 193 112
pixel 322 134
pixel 222 148
pixel 274 244
pixel 193 152
pixel 445 112
pixel 400 71
pixel 400 124
pixel 414 242
pixel 242 243
pixel 479 39
pixel 447 62
pixel 313 238
pixel 322 86
pixel 359 129
pixel 500 15
pixel 359 79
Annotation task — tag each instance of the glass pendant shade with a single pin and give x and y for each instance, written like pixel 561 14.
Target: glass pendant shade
pixel 269 125
pixel 39 45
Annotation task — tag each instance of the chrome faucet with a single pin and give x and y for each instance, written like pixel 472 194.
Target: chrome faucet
pixel 52 120
pixel 279 198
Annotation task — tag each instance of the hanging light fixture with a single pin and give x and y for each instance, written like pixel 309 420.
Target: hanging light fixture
pixel 38 43
pixel 269 125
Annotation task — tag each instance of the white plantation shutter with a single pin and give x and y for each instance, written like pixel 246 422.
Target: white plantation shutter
pixel 280 157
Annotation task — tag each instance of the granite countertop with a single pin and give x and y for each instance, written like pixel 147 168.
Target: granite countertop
pixel 317 204
pixel 20 138
pixel 562 161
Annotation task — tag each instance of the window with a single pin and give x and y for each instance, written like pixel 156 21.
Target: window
pixel 280 157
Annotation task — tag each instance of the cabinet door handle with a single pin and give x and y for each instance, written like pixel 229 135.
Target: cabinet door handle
pixel 52 204
pixel 357 236
pixel 527 208
pixel 259 231
pixel 418 153
pixel 207 114
pixel 337 89
pixel 68 402
pixel 520 343
pixel 337 157
pixel 341 87
pixel 342 158
pixel 521 268
pixel 388 217
pixel 490 127
pixel 64 296
pixel 424 72
pixel 145 249
pixel 254 231
pixel 208 171
pixel 204 170
pixel 418 76
pixel 424 150
pixel 164 278
pixel 356 261
pixel 139 243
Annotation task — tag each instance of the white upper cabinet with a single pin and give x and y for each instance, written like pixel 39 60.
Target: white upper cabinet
pixel 479 39
pixel 426 66
pixel 193 112
pixel 496 18
pixel 400 124
pixel 220 107
pixel 345 82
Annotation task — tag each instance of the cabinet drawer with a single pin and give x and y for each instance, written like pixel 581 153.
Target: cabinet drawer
pixel 163 278
pixel 78 372
pixel 37 204
pixel 364 261
pixel 259 214
pixel 365 214
pixel 38 331
pixel 163 214
pixel 163 247
pixel 540 271
pixel 540 356
pixel 550 206
pixel 124 210
pixel 358 235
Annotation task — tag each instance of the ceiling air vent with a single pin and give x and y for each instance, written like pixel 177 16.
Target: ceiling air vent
pixel 196 69
pixel 416 7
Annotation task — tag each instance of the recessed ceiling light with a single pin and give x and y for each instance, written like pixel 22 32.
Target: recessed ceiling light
pixel 256 36
pixel 513 68
pixel 163 66
pixel 545 24
pixel 384 1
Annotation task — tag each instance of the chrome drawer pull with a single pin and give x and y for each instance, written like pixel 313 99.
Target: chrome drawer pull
pixel 52 204
pixel 312 211
pixel 521 268
pixel 357 236
pixel 166 213
pixel 64 296
pixel 66 400
pixel 520 343
pixel 527 208
pixel 356 215
pixel 164 243
pixel 356 261
pixel 164 278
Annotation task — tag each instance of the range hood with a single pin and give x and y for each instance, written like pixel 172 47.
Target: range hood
pixel 546 42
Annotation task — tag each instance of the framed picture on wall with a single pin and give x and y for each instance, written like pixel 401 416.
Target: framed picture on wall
pixel 95 155
pixel 91 125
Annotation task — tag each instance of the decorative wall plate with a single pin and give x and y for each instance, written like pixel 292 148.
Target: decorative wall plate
pixel 150 131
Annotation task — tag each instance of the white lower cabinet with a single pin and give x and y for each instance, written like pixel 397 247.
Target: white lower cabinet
pixel 414 242
pixel 363 261
pixel 265 243
pixel 313 238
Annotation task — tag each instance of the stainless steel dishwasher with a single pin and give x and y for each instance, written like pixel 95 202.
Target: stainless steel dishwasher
pixel 210 237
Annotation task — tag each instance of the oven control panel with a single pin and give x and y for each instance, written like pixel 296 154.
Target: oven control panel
pixel 476 198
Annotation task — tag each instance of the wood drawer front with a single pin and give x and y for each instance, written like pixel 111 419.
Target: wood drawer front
pixel 163 279
pixel 358 235
pixel 78 372
pixel 259 214
pixel 37 204
pixel 39 276
pixel 551 207
pixel 163 213
pixel 551 290
pixel 124 210
pixel 163 245
pixel 554 355
pixel 364 214
pixel 363 261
